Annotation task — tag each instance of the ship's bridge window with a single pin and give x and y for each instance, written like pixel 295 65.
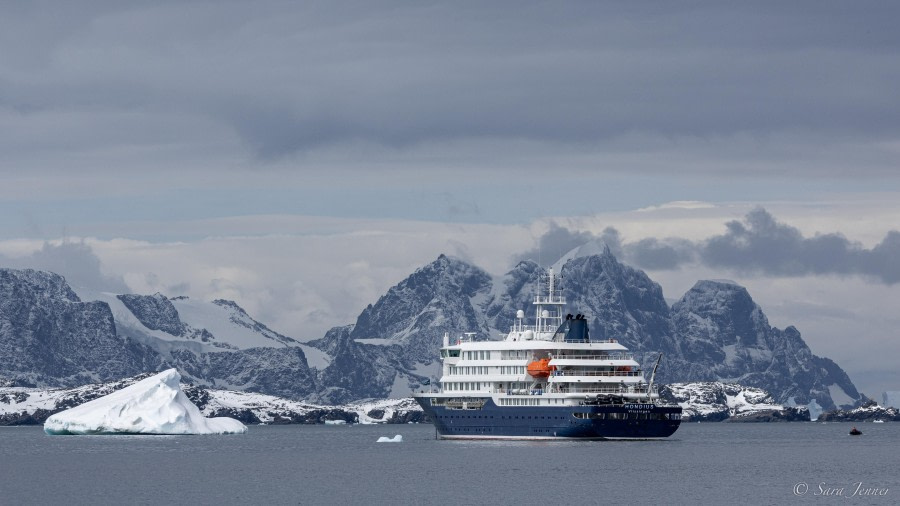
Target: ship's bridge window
pixel 453 353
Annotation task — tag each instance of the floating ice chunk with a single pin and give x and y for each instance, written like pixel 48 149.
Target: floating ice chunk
pixel 335 422
pixel 396 439
pixel 155 405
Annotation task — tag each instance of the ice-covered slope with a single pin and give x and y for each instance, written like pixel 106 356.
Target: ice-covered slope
pixel 155 405
pixel 209 326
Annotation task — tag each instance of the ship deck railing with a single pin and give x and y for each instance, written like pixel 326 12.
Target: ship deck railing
pixel 569 356
pixel 616 390
pixel 561 338
pixel 635 389
pixel 542 329
pixel 597 390
pixel 597 373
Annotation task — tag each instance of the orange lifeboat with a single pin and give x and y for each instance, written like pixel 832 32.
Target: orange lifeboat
pixel 541 368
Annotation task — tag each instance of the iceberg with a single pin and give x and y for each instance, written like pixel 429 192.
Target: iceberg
pixel 396 439
pixel 155 405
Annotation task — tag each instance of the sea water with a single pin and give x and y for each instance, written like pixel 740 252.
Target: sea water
pixel 774 463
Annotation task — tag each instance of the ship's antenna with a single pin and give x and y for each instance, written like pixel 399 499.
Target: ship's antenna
pixel 653 376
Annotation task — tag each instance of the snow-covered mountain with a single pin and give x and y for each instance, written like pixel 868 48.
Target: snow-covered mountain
pixel 50 337
pixel 724 336
pixel 715 332
pixel 392 348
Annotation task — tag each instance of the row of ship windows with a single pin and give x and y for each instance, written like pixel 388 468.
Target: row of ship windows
pixel 629 416
pixel 487 354
pixel 480 369
pixel 476 385
pixel 530 402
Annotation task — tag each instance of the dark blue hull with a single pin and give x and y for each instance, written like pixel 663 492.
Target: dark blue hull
pixel 604 421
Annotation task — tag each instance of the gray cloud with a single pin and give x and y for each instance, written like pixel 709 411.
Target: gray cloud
pixel 275 79
pixel 73 260
pixel 762 244
pixel 558 241
pixel 652 253
pixel 757 244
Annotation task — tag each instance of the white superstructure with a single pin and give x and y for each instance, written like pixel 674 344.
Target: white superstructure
pixel 551 363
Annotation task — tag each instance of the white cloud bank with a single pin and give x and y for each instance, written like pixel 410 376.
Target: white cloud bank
pixel 327 270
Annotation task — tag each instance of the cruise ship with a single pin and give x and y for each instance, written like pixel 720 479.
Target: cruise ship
pixel 549 380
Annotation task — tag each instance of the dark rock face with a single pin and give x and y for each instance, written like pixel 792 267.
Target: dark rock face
pixel 868 412
pixel 317 416
pixel 518 289
pixel 49 337
pixel 622 303
pixel 37 417
pixel 274 371
pixel 359 371
pixel 408 417
pixel 333 339
pixel 418 311
pixel 724 335
pixel 413 316
pixel 156 312
pixel 788 414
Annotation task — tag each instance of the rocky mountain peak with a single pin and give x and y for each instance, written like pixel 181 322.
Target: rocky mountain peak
pixel 36 284
pixel 49 337
pixel 514 291
pixel 434 299
pixel 713 296
pixel 620 302
pixel 156 312
pixel 721 312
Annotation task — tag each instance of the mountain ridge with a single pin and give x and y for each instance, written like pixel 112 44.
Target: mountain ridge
pixel 714 332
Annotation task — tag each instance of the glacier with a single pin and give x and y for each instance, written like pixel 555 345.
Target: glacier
pixel 155 405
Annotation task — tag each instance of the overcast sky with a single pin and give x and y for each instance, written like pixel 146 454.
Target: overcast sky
pixel 303 157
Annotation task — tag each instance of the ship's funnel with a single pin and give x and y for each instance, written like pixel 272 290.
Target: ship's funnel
pixel 578 331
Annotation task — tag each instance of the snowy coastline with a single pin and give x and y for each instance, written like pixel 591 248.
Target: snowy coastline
pixel 710 402
pixel 33 406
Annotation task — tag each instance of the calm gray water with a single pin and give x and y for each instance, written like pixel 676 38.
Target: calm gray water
pixel 710 462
